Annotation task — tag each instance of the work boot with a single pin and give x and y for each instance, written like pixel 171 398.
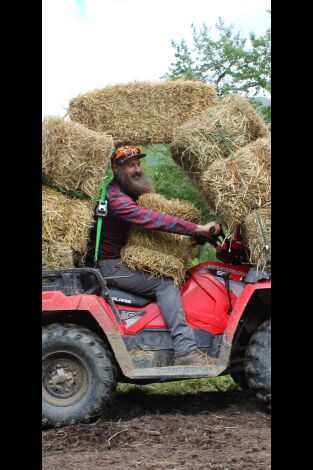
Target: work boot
pixel 195 358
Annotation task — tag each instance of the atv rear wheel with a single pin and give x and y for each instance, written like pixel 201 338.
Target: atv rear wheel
pixel 78 375
pixel 258 363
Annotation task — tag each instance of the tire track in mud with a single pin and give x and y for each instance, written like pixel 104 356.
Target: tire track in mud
pixel 207 430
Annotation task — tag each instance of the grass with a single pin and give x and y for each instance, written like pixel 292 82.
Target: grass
pixel 170 181
pixel 182 387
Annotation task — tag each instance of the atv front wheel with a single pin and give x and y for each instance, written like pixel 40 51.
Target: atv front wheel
pixel 258 363
pixel 78 375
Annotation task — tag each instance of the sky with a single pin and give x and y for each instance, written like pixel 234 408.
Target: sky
pixel 90 44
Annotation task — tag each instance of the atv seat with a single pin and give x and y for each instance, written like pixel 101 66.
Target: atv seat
pixel 123 297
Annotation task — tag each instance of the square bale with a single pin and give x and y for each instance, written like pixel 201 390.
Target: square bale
pixel 235 185
pixel 161 253
pixel 233 123
pixel 66 220
pixel 142 113
pixel 73 156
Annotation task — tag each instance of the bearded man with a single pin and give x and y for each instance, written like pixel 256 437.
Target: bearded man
pixel 128 184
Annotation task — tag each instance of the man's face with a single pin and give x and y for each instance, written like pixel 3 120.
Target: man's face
pixel 132 178
pixel 132 168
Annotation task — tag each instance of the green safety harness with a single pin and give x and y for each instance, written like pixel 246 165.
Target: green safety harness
pixel 101 212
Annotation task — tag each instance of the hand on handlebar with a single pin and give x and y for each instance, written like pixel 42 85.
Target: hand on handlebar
pixel 208 230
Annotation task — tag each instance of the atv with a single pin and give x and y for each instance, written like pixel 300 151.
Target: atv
pixel 95 336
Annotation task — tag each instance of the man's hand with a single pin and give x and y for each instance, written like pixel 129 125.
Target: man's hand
pixel 207 229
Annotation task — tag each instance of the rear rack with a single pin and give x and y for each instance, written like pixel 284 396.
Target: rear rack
pixel 75 281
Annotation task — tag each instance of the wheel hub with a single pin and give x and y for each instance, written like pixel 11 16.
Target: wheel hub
pixel 65 379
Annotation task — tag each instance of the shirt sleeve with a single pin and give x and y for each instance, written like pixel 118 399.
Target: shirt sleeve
pixel 124 207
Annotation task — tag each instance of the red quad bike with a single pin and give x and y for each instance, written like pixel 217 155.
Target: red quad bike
pixel 94 336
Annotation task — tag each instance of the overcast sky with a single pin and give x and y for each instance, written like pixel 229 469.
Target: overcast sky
pixel 89 44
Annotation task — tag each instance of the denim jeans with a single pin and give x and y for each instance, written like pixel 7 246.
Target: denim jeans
pixel 166 294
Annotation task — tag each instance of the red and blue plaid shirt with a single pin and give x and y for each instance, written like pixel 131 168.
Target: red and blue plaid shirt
pixel 123 211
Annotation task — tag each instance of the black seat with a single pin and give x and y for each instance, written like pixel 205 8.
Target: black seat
pixel 128 298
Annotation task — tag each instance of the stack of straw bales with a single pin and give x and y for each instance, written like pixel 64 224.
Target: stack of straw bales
pixel 65 228
pixel 233 186
pixel 142 113
pixel 73 156
pixel 160 253
pixel 206 138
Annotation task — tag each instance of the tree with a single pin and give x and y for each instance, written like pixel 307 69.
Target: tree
pixel 230 62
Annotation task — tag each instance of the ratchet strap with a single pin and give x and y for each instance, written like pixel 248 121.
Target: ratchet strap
pixel 101 212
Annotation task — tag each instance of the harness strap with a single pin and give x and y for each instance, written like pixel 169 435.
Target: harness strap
pixel 101 212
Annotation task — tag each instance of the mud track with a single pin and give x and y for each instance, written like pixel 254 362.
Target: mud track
pixel 207 430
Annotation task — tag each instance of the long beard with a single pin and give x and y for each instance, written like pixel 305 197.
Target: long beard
pixel 134 187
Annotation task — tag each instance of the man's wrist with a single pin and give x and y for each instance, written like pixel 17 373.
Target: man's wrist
pixel 199 229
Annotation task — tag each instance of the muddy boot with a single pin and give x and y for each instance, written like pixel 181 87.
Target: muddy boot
pixel 195 358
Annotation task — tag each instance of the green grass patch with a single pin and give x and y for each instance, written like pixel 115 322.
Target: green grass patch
pixel 170 180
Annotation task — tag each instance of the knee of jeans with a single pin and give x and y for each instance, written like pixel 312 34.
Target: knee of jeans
pixel 168 284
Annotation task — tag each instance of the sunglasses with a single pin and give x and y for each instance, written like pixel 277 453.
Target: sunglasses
pixel 128 153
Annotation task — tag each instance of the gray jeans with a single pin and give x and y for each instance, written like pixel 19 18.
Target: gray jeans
pixel 167 295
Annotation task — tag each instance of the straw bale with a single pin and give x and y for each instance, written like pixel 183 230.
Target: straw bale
pixel 161 253
pixel 253 235
pixel 66 220
pixel 235 185
pixel 57 255
pixel 198 142
pixel 176 207
pixel 73 156
pixel 155 263
pixel 141 113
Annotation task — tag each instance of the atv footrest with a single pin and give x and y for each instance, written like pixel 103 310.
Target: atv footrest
pixel 175 372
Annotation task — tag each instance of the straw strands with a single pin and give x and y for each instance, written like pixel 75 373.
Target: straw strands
pixel 66 220
pixel 156 252
pixel 142 113
pixel 253 235
pixel 200 141
pixel 235 185
pixel 73 156
pixel 56 255
pixel 175 207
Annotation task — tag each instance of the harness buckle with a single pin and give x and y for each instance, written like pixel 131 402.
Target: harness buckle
pixel 102 209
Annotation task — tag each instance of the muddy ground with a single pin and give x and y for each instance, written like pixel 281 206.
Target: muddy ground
pixel 207 430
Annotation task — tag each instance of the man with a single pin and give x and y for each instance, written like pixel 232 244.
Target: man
pixel 128 184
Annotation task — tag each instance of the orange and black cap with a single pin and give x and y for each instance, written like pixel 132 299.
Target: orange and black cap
pixel 120 155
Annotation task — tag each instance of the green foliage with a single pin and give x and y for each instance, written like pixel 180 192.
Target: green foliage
pixel 231 62
pixel 266 113
pixel 170 180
